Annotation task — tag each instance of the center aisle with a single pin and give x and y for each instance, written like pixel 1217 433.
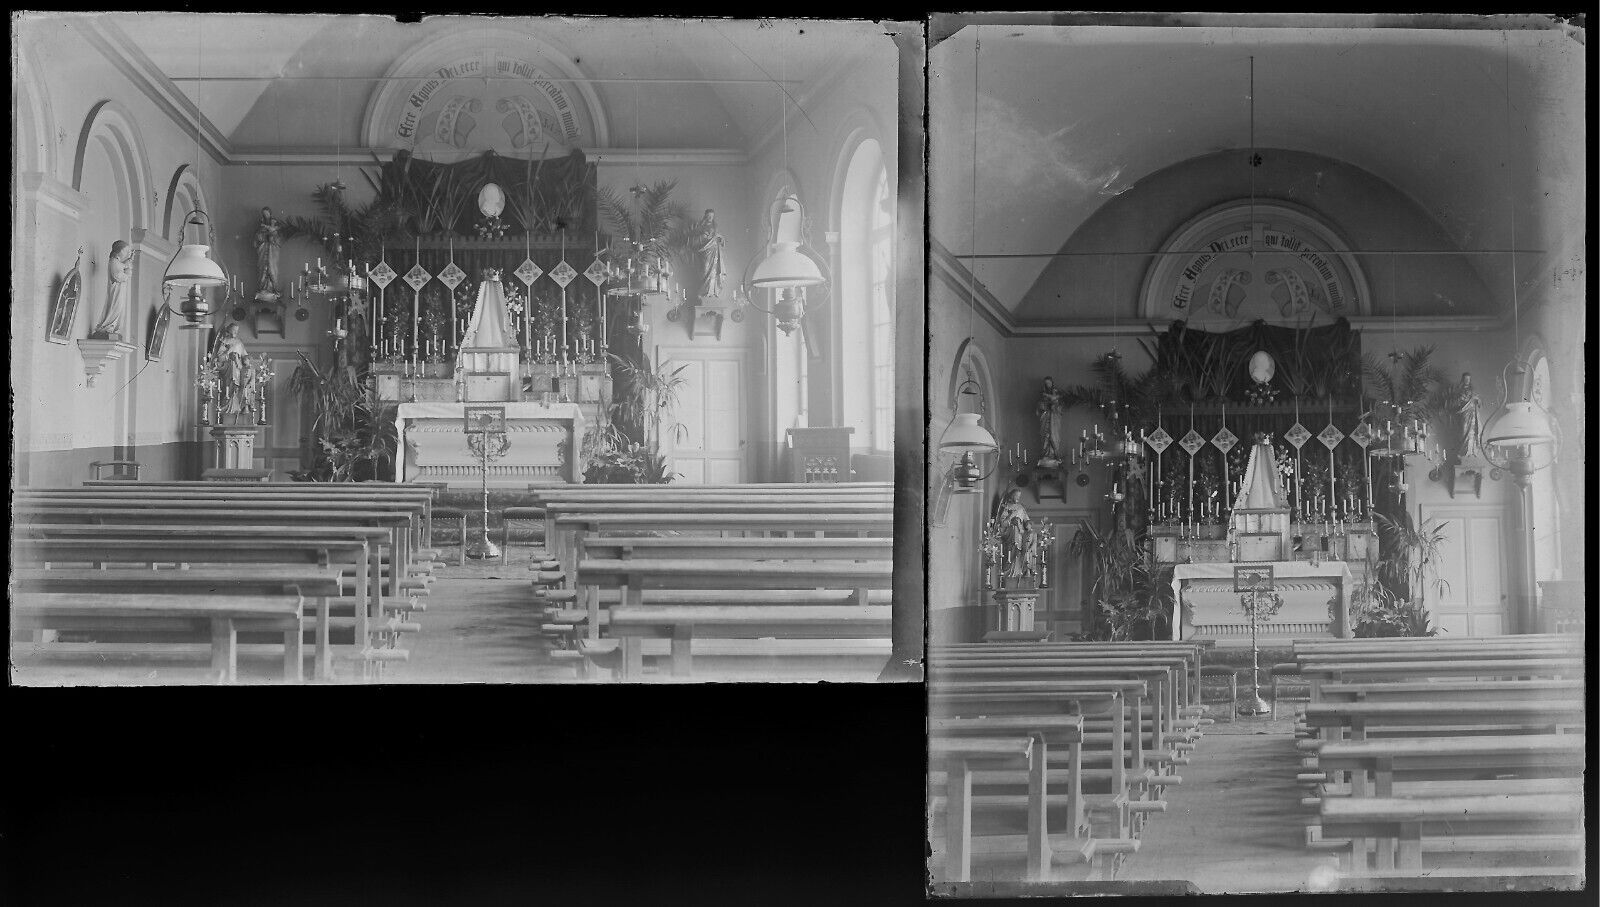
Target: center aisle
pixel 480 627
pixel 1235 825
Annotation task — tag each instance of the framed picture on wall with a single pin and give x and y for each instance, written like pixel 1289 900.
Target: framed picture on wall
pixel 64 308
pixel 158 332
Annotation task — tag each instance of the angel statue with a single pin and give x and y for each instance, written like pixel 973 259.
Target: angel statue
pixel 119 267
pixel 1048 409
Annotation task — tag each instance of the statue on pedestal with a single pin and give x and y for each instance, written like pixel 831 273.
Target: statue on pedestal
pixel 236 377
pixel 1019 550
pixel 119 268
pixel 1048 410
pixel 707 244
pixel 268 240
pixel 1464 404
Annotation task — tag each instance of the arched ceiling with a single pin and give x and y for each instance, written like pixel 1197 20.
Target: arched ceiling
pixel 284 110
pixel 1471 124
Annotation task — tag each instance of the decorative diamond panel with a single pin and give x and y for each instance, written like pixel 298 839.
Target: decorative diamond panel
pixel 1330 436
pixel 1224 439
pixel 452 276
pixel 596 272
pixel 417 277
pixel 1362 435
pixel 528 272
pixel 1158 440
pixel 383 275
pixel 1297 435
pixel 563 274
pixel 1192 442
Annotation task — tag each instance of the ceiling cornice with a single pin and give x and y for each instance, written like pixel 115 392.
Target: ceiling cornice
pixel 126 56
pixel 945 268
pixel 119 49
pixel 836 70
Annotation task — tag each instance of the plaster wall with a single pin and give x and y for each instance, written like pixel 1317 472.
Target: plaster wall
pixel 136 409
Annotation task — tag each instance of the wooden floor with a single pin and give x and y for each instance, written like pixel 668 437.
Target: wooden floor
pixel 1234 826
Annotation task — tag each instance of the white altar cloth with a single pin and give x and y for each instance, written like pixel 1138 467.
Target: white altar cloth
pixel 1303 618
pixel 545 445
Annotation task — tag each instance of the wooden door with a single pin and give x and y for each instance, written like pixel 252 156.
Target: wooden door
pixel 1478 601
pixel 279 444
pixel 711 407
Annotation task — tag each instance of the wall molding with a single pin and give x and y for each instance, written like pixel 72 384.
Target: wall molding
pixel 53 194
pixel 945 267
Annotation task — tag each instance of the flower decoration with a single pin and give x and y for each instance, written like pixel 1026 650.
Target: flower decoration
pixel 491 228
pixel 1260 394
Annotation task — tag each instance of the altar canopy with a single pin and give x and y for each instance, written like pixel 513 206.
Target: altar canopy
pixel 489 327
pixel 1261 487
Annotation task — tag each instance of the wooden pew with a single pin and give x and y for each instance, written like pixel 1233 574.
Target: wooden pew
pixel 955 750
pixel 1449 690
pixel 312 586
pixel 397 522
pixel 273 544
pixel 1358 720
pixel 1192 650
pixel 1159 675
pixel 416 502
pixel 1487 823
pixel 1108 696
pixel 222 617
pixel 565 528
pixel 637 618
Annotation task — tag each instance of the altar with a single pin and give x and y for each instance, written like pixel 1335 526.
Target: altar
pixel 1260 532
pixel 1316 602
pixel 544 440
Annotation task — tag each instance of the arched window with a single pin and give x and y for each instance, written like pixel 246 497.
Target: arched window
pixel 865 295
pixel 1546 522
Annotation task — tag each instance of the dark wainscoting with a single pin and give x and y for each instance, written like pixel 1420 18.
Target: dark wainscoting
pixel 57 468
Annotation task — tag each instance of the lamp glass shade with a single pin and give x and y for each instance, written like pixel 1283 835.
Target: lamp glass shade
pixel 1520 424
pixel 965 434
pixel 787 266
pixel 193 267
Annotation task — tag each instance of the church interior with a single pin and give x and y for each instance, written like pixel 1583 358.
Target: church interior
pixel 1255 372
pixel 570 279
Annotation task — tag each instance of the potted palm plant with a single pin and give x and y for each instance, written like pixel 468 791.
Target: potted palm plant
pixel 1409 567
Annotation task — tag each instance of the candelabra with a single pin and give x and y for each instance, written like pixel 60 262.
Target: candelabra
pixel 485 427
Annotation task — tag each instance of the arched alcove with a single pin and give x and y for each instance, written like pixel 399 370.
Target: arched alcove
pixel 113 126
pixel 184 194
pixel 435 97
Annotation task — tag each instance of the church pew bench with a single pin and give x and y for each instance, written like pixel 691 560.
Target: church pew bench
pixel 1357 720
pixel 954 746
pixel 683 624
pixel 637 580
pixel 193 540
pixel 177 543
pixel 1162 730
pixel 1395 767
pixel 396 524
pixel 702 548
pixel 1448 690
pixel 568 621
pixel 313 586
pixel 279 488
pixel 1116 699
pixel 1193 651
pixel 1529 666
pixel 773 655
pixel 416 503
pixel 1487 824
pixel 567 527
pixel 222 617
